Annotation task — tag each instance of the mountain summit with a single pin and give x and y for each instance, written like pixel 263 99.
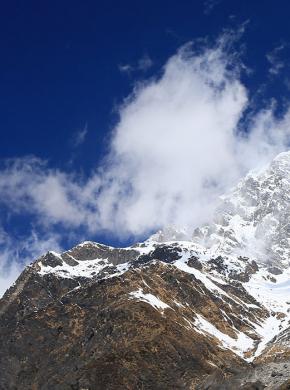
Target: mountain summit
pixel 253 219
pixel 207 312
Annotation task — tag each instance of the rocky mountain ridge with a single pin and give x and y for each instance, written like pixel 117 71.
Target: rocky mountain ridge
pixel 235 280
pixel 169 313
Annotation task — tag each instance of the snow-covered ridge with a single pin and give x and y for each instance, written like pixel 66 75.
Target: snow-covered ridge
pixel 85 269
pixel 270 292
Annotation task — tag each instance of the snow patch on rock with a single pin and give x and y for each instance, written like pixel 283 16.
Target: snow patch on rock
pixel 149 298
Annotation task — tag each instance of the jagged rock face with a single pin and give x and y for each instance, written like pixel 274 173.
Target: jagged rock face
pixel 169 313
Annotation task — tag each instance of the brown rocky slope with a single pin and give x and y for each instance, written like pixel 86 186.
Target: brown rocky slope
pixel 153 316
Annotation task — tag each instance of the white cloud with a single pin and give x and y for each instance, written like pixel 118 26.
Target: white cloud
pixel 145 63
pixel 276 63
pixel 125 68
pixel 16 253
pixel 142 65
pixel 79 136
pixel 209 5
pixel 177 146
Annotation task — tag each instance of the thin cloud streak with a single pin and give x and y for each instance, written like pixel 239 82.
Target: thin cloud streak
pixel 143 65
pixel 276 63
pixel 79 136
pixel 209 5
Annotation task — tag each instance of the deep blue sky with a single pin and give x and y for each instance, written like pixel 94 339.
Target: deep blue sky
pixel 59 69
pixel 59 62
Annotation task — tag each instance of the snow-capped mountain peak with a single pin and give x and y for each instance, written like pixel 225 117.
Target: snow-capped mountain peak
pixel 212 302
pixel 253 218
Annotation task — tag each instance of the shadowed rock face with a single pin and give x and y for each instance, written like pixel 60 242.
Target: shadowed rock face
pixel 154 316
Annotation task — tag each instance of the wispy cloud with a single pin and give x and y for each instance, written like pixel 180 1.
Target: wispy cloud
pixel 145 63
pixel 78 137
pixel 142 65
pixel 15 253
pixel 125 68
pixel 209 5
pixel 274 58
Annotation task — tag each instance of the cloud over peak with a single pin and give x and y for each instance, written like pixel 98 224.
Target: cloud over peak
pixel 180 142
